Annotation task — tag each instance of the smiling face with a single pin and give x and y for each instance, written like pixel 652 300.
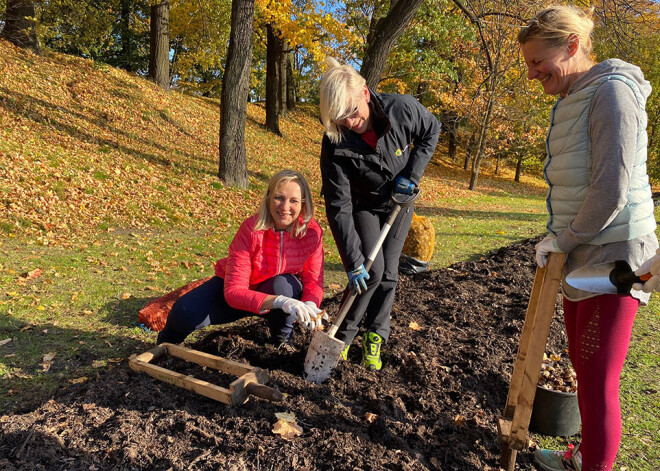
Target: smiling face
pixel 555 67
pixel 359 118
pixel 285 205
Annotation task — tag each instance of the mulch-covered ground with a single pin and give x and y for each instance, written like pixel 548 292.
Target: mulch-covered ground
pixel 434 404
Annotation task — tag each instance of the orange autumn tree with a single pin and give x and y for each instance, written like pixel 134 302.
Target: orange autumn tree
pixel 300 27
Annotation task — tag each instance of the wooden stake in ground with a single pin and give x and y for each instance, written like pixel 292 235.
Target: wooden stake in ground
pixel 513 425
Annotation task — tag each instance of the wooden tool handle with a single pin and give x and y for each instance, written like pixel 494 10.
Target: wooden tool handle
pixel 264 392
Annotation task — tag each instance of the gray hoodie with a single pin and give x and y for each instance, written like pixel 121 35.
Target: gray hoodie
pixel 614 120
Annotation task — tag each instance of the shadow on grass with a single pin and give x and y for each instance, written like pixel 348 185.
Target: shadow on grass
pixel 41 112
pixel 475 214
pixel 32 377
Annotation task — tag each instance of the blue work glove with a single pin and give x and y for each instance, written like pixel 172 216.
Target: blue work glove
pixel 403 185
pixel 357 279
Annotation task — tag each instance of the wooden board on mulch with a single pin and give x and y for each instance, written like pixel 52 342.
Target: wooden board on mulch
pixel 434 404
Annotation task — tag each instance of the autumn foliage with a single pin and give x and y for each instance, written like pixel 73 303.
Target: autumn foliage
pixel 87 147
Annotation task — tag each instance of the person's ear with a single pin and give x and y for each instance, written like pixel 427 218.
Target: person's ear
pixel 573 44
pixel 367 95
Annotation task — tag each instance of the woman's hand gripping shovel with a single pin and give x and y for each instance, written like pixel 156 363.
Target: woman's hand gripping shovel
pixel 324 349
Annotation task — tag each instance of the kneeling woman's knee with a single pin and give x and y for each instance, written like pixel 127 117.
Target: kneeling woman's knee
pixel 285 285
pixel 180 317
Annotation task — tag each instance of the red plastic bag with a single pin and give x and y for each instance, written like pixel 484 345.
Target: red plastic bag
pixel 154 313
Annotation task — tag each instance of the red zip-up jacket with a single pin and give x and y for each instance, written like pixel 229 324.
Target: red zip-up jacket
pixel 255 256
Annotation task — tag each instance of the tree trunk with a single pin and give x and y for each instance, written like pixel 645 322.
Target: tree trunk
pixel 483 131
pixel 290 85
pixel 282 95
pixel 235 88
pixel 518 168
pixel 450 126
pixel 451 146
pixel 497 164
pixel 19 26
pixel 383 36
pixel 273 61
pixel 468 153
pixel 159 46
pixel 125 55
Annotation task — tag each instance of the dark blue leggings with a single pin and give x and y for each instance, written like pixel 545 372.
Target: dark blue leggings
pixel 206 305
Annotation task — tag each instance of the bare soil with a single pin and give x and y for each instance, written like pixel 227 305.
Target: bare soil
pixel 436 401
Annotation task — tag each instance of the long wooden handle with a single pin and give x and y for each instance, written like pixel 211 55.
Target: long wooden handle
pixel 350 297
pixel 264 392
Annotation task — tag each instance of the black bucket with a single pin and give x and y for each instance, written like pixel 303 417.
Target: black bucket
pixel 555 413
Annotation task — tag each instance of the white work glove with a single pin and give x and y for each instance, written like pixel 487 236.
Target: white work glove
pixel 302 311
pixel 543 249
pixel 652 266
pixel 316 311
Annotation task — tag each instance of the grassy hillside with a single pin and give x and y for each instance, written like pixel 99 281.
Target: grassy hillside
pixel 87 148
pixel 110 198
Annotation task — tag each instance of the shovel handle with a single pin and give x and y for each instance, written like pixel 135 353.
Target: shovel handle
pixel 398 203
pixel 646 277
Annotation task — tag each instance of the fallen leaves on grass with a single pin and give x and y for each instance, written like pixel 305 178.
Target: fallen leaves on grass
pixel 30 275
pixel 47 361
pixel 4 342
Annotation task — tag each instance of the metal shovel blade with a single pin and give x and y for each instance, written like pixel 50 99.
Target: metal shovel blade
pixel 607 278
pixel 322 357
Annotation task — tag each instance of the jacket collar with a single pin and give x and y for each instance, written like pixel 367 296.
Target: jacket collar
pixel 380 120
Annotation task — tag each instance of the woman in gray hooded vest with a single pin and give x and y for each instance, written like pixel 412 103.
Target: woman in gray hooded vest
pixel 600 210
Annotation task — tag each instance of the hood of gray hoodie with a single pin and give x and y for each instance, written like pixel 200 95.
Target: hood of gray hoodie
pixel 613 67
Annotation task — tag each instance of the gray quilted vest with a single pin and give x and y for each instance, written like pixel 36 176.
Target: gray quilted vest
pixel 568 167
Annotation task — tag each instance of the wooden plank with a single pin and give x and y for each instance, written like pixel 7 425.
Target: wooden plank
pixel 504 429
pixel 508 458
pixel 539 338
pixel 523 347
pixel 149 355
pixel 212 361
pixel 237 388
pixel 190 383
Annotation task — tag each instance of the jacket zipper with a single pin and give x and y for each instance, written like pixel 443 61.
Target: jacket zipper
pixel 279 266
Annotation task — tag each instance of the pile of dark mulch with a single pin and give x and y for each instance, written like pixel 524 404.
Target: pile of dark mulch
pixel 436 401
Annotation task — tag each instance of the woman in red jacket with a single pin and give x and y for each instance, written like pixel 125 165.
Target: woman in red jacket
pixel 274 268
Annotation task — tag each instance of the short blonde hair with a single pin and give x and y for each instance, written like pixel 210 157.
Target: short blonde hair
pixel 557 23
pixel 265 219
pixel 339 90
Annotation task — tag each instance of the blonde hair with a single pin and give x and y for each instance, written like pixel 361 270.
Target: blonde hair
pixel 265 219
pixel 557 23
pixel 339 90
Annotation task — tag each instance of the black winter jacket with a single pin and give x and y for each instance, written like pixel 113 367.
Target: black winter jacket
pixel 354 175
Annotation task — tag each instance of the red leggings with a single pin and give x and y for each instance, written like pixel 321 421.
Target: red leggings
pixel 599 331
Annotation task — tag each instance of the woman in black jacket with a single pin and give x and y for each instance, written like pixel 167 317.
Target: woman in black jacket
pixel 374 145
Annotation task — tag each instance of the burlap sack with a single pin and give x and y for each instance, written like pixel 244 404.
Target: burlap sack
pixel 421 239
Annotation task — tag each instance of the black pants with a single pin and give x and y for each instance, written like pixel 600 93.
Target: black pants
pixel 206 305
pixel 377 302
